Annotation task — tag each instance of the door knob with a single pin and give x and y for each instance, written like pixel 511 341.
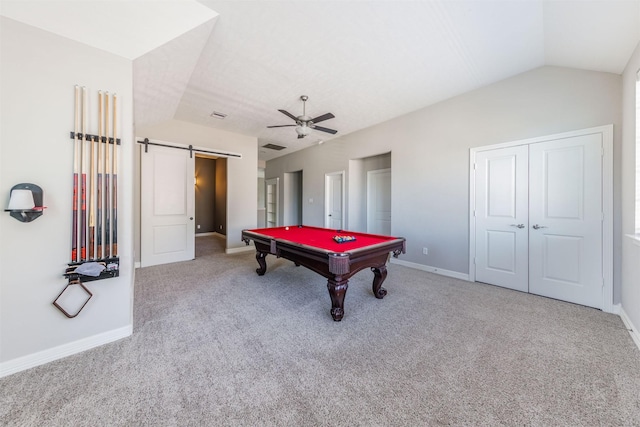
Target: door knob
pixel 518 225
pixel 191 218
pixel 537 227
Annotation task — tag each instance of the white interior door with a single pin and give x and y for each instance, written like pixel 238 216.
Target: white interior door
pixel 379 202
pixel 549 194
pixel 501 216
pixel 334 200
pixel 167 206
pixel 566 219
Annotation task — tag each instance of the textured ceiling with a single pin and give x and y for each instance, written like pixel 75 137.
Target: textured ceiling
pixel 369 61
pixel 364 61
pixel 126 28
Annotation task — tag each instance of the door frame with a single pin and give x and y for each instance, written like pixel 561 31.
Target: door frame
pixel 607 202
pixel 327 196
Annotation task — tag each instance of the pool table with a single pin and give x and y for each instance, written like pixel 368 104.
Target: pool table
pixel 316 249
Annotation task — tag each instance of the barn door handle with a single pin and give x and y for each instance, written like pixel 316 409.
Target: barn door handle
pixel 537 227
pixel 518 225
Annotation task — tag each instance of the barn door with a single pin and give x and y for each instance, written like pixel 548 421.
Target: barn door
pixel 167 206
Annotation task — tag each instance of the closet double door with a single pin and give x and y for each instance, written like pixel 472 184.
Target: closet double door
pixel 539 218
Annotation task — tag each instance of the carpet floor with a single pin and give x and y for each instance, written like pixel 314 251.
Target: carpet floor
pixel 215 344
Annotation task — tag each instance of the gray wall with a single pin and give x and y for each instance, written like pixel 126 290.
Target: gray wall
pixel 38 71
pixel 430 154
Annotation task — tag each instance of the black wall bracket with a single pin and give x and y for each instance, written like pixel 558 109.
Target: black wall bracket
pixel 28 215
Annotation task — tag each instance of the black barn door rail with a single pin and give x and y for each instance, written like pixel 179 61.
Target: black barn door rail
pixel 190 148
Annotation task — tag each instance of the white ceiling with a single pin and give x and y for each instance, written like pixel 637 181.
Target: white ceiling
pixel 127 28
pixel 364 61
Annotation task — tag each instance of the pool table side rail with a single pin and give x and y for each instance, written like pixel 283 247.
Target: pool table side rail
pixel 271 241
pixel 320 229
pixel 339 263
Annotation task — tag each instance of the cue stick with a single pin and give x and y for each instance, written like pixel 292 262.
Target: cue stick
pixel 114 181
pixel 99 180
pixel 83 188
pixel 74 225
pixel 107 215
pixel 92 196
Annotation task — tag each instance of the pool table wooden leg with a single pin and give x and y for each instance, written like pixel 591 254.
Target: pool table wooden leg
pixel 260 257
pixel 380 273
pixel 337 290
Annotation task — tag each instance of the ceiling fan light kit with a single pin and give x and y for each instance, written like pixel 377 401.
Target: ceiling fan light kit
pixel 304 124
pixel 303 130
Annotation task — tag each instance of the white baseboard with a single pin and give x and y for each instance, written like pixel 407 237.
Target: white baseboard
pixel 635 334
pixel 55 353
pixel 249 248
pixel 136 264
pixel 210 233
pixel 615 309
pixel 441 271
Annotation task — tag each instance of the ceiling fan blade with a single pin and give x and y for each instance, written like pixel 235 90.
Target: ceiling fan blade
pixel 323 118
pixel 288 114
pixel 281 126
pixel 320 128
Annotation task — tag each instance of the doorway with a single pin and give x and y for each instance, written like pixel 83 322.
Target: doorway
pixel 292 198
pixel 379 202
pixel 368 185
pixel 334 200
pixel 272 196
pixel 210 195
pixel 541 217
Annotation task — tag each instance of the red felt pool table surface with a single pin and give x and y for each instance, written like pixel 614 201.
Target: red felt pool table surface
pixel 322 237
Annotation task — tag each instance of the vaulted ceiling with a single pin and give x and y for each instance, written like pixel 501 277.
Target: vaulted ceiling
pixel 364 61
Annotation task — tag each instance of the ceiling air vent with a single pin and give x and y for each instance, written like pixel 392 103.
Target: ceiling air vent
pixel 218 115
pixel 274 147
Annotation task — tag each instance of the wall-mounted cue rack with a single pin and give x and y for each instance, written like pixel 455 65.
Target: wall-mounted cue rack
pixel 94 229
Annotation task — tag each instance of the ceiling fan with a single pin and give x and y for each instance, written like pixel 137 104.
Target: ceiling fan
pixel 304 123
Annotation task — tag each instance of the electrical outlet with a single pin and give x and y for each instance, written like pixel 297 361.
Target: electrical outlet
pixel 220 226
pixel 425 251
pixel 198 226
